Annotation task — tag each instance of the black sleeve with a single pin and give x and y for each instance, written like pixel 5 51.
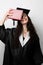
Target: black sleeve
pixel 37 56
pixel 4 33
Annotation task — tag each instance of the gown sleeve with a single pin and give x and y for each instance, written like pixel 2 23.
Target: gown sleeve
pixel 4 34
pixel 37 56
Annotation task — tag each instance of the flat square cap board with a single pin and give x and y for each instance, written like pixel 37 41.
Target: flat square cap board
pixel 16 14
pixel 24 10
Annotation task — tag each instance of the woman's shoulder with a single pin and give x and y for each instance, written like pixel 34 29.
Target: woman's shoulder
pixel 36 36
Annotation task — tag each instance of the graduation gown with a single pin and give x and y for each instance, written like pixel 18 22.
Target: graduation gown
pixel 29 54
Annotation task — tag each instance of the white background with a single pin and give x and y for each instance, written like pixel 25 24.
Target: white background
pixel 36 14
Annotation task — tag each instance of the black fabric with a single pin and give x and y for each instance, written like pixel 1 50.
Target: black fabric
pixel 29 54
pixel 23 38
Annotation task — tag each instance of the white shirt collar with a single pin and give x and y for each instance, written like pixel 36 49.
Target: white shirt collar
pixel 23 42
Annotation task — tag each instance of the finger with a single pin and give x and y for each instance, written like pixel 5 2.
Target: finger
pixel 11 10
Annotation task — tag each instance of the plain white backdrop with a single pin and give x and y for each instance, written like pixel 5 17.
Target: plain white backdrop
pixel 36 14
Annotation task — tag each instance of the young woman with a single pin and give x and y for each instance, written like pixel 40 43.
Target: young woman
pixel 22 45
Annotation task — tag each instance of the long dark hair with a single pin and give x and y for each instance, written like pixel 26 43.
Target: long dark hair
pixel 30 27
pixel 19 30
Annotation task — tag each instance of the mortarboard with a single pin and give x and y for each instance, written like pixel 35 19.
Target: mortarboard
pixel 16 14
pixel 24 10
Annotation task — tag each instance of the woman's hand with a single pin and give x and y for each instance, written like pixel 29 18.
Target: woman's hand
pixel 9 13
pixel 6 16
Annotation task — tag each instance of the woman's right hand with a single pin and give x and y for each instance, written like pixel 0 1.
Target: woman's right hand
pixel 6 16
pixel 9 13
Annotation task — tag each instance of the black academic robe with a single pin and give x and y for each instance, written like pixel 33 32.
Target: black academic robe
pixel 29 54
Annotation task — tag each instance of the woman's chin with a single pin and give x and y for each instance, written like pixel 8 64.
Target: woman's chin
pixel 23 23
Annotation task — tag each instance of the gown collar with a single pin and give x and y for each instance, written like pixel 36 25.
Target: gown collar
pixel 23 42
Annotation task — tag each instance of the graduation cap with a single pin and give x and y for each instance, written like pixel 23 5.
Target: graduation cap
pixel 24 10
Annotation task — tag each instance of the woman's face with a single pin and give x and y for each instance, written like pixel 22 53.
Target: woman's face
pixel 24 19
